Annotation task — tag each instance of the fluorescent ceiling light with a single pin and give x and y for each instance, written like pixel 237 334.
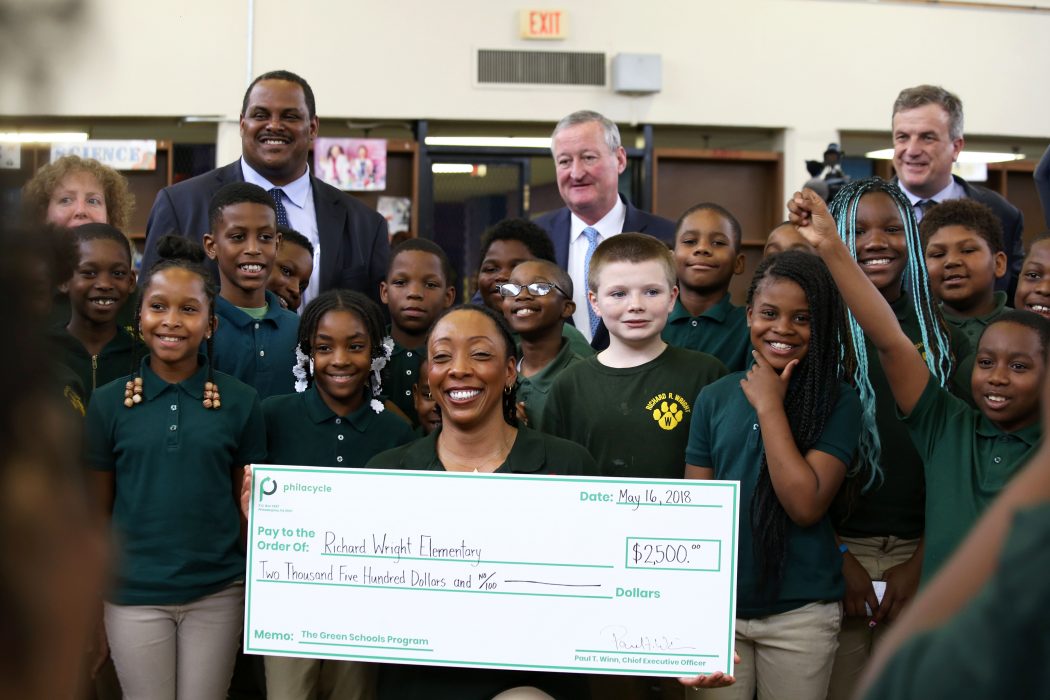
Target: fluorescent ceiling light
pixel 964 157
pixel 490 141
pixel 459 169
pixel 43 137
pixel 452 168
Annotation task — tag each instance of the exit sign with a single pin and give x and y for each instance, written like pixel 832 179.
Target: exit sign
pixel 544 24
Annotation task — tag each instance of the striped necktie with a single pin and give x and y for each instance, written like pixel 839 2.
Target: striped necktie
pixel 592 243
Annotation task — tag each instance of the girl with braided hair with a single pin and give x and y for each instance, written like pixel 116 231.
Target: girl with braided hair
pixel 879 514
pixel 333 421
pixel 786 429
pixel 969 454
pixel 166 448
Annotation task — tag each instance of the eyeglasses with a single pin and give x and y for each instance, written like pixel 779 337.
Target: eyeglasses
pixel 539 289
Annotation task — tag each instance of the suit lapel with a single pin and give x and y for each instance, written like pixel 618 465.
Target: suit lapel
pixel 330 224
pixel 632 223
pixel 561 241
pixel 230 173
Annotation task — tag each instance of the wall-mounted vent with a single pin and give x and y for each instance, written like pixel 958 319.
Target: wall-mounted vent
pixel 540 68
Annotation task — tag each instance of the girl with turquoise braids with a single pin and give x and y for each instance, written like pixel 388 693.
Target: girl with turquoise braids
pixel 879 514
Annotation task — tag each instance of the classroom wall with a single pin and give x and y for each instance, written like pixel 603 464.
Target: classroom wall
pixel 810 67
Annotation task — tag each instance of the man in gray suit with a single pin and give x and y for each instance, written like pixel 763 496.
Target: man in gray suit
pixel 278 126
pixel 927 140
pixel 588 159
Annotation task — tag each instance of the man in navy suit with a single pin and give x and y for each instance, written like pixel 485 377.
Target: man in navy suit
pixel 278 126
pixel 589 158
pixel 927 140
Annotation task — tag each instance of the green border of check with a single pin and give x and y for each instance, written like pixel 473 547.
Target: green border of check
pixel 250 578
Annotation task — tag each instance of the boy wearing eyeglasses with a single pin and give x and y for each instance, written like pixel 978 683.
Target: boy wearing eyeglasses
pixel 707 256
pixel 537 300
pixel 418 286
pixel 630 405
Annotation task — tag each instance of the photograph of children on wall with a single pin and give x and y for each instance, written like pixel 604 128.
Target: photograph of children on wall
pixel 357 165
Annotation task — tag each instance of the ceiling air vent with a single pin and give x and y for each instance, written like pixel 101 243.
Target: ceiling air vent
pixel 540 68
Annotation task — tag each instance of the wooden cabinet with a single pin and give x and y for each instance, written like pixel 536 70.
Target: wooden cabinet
pixel 747 183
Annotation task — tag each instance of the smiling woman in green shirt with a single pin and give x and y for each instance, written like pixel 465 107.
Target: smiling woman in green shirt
pixel 472 374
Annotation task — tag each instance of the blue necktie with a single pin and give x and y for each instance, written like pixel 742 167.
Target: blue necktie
pixel 921 207
pixel 282 213
pixel 592 243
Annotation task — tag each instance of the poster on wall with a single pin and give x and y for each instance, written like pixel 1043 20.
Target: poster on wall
pixel 117 154
pixel 397 211
pixel 357 165
pixel 10 156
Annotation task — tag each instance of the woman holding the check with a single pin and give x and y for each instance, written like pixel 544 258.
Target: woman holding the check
pixel 472 374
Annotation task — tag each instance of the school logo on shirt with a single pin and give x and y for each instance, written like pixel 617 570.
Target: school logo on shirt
pixel 921 348
pixel 668 409
pixel 74 400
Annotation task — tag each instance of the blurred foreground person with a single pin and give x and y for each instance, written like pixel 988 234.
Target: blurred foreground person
pixel 52 551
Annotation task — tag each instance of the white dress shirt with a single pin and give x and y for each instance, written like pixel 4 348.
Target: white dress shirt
pixel 953 191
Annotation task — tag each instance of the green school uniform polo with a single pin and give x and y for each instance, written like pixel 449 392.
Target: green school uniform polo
pixel 400 375
pixel 897 505
pixel 973 326
pixel 259 353
pixel 572 335
pixel 65 381
pixel 301 429
pixel 577 341
pixel 634 420
pixel 534 390
pixel 175 515
pixel 725 436
pixel 720 331
pixel 533 452
pixel 997 645
pixel 968 462
pixel 113 362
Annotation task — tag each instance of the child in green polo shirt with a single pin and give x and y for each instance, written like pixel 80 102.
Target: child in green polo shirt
pixel 964 257
pixel 292 268
pixel 968 454
pixel 424 403
pixel 537 300
pixel 786 430
pixel 989 602
pixel 504 246
pixel 707 256
pixel 332 422
pixel 93 344
pixel 418 287
pixel 880 510
pixel 1033 286
pixel 255 340
pixel 166 447
pixel 630 404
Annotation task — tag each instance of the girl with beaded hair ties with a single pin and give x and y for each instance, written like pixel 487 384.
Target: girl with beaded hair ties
pixel 166 446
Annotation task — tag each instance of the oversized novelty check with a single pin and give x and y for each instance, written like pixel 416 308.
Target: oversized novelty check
pixel 621 576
